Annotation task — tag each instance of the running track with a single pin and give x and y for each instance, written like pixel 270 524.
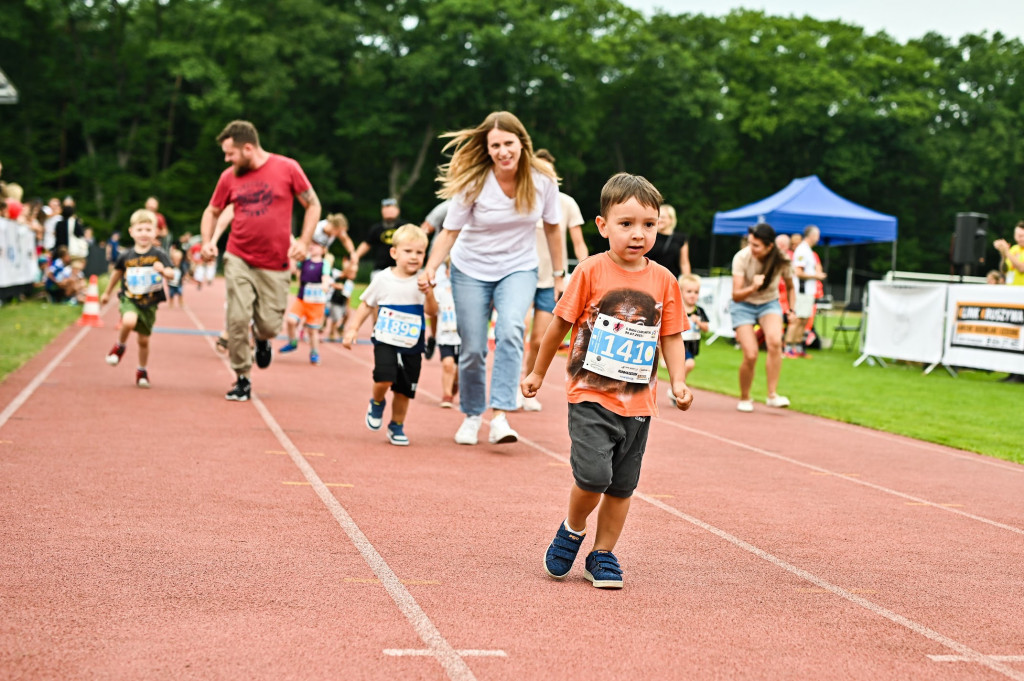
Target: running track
pixel 171 534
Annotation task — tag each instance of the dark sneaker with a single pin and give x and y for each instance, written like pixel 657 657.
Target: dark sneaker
pixel 115 354
pixel 141 378
pixel 375 414
pixel 603 570
pixel 262 353
pixel 291 346
pixel 314 358
pixel 240 391
pixel 562 552
pixel 396 435
pixel 428 350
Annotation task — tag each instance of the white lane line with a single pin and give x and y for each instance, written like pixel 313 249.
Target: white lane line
pixel 958 658
pixel 455 667
pixel 417 652
pixel 907 441
pixel 962 650
pixel 27 391
pixel 855 481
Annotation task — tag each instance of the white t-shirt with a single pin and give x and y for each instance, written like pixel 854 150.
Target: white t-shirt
pixel 50 232
pixel 320 235
pixel 803 257
pixel 388 289
pixel 494 239
pixel 571 217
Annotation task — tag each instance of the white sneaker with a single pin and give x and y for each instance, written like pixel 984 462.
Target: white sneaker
pixel 466 434
pixel 745 405
pixel 531 404
pixel 501 432
pixel 778 401
pixel 519 399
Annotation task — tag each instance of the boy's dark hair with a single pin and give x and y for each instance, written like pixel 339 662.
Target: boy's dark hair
pixel 775 259
pixel 622 187
pixel 60 253
pixel 240 132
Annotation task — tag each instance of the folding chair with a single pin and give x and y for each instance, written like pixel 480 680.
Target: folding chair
pixel 844 328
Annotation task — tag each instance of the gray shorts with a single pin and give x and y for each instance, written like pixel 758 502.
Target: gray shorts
pixel 607 449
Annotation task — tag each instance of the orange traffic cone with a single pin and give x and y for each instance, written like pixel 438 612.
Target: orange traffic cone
pixel 91 309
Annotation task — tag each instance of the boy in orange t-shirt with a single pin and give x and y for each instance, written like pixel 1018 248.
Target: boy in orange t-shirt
pixel 619 305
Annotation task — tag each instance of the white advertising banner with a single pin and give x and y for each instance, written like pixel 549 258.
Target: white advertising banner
pixel 985 327
pixel 905 321
pixel 18 264
pixel 715 296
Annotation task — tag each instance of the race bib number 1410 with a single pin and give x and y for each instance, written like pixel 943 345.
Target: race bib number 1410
pixel 622 350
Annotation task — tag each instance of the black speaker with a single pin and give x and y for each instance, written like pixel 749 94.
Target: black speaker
pixel 969 239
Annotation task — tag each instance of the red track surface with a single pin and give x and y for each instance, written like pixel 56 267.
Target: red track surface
pixel 172 534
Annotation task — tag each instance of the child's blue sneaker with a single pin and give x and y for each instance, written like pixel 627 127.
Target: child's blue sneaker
pixel 396 435
pixel 603 570
pixel 375 414
pixel 314 358
pixel 290 347
pixel 562 552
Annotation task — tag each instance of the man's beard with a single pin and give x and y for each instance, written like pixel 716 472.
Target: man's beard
pixel 242 170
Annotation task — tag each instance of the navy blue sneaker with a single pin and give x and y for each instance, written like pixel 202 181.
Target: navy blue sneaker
pixel 290 346
pixel 375 414
pixel 562 552
pixel 603 570
pixel 396 435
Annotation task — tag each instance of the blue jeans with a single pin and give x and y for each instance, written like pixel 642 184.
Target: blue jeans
pixel 511 297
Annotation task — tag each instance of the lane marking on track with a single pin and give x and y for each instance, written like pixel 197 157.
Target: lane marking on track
pixel 906 441
pixel 917 503
pixel 408 582
pixel 818 590
pixel 281 451
pixel 43 374
pixel 961 649
pixel 437 645
pixel 413 652
pixel 958 658
pixel 325 484
pixel 661 496
pixel 825 471
pixel 840 475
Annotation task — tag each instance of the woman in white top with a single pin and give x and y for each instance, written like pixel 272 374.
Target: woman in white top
pixel 756 271
pixel 498 192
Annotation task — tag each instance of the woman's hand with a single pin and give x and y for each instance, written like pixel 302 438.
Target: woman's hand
pixel 425 282
pixel 758 281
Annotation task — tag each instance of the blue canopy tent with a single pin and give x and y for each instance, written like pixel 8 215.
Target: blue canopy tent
pixel 806 201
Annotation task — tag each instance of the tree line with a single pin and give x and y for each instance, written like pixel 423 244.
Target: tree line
pixel 122 99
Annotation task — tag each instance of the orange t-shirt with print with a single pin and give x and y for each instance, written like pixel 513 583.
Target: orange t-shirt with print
pixel 617 317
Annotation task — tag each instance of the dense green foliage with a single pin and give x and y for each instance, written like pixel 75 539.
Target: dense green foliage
pixel 121 99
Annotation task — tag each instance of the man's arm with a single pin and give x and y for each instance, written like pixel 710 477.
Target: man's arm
pixel 579 244
pixel 311 203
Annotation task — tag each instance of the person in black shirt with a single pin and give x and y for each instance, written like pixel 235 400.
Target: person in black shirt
pixel 670 250
pixel 378 239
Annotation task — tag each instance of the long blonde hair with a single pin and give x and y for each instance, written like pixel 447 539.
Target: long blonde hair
pixel 467 171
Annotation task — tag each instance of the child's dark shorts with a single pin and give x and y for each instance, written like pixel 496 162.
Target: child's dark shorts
pixel 449 351
pixel 401 371
pixel 607 449
pixel 173 291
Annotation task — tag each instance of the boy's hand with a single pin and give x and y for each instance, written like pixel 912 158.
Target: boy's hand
pixel 684 398
pixel 531 384
pixel 159 268
pixel 426 279
pixel 104 298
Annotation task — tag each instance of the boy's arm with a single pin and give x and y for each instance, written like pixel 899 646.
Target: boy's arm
pixel 352 328
pixel 429 303
pixel 115 277
pixel 548 347
pixel 675 356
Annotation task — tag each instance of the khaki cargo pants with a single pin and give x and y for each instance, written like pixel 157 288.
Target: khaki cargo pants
pixel 255 295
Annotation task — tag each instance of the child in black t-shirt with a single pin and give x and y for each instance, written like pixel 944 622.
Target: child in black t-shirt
pixel 140 270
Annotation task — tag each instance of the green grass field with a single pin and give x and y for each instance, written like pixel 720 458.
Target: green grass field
pixel 965 412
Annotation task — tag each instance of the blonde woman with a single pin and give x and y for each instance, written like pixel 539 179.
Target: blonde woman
pixel 498 192
pixel 670 250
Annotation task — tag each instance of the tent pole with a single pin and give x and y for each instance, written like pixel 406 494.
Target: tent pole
pixel 711 256
pixel 849 275
pixel 893 268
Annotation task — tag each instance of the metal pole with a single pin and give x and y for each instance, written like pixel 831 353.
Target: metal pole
pixel 849 276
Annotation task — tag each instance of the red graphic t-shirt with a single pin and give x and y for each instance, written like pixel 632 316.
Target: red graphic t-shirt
pixel 618 317
pixel 263 198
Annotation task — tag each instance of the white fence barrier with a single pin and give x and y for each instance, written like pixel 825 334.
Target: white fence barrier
pixel 18 263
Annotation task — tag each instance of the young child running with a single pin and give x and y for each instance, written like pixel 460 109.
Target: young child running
pixel 689 286
pixel 447 335
pixel 394 296
pixel 310 302
pixel 176 276
pixel 140 271
pixel 618 305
